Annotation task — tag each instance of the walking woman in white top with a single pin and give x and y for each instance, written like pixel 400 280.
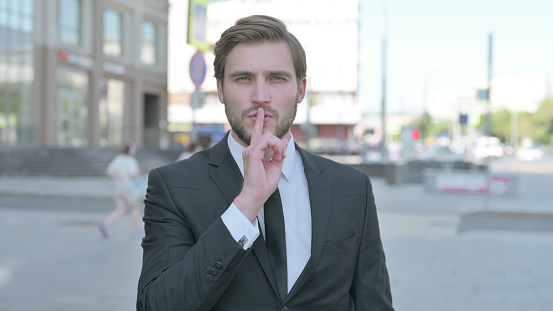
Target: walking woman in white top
pixel 124 169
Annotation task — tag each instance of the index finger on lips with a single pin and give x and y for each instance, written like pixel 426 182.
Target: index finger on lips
pixel 258 126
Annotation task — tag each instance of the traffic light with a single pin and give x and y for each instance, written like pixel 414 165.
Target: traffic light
pixel 415 134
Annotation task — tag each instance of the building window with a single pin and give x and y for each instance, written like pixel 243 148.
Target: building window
pixel 148 51
pixel 72 114
pixel 69 28
pixel 16 71
pixel 111 109
pixel 113 33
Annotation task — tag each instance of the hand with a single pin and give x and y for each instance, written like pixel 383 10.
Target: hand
pixel 261 173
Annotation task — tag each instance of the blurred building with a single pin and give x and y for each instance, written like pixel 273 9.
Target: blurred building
pixel 329 35
pixel 78 73
pixel 447 104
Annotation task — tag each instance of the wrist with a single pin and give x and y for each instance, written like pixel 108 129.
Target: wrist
pixel 248 206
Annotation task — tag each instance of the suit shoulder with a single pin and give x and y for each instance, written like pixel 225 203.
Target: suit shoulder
pixel 195 164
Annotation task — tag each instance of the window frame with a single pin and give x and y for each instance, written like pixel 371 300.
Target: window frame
pixel 144 43
pixel 66 28
pixel 120 33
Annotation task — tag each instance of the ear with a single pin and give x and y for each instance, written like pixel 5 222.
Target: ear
pixel 220 91
pixel 302 86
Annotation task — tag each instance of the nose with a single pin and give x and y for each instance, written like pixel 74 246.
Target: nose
pixel 261 94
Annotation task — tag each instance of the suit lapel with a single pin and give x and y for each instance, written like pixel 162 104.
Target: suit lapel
pixel 319 197
pixel 225 173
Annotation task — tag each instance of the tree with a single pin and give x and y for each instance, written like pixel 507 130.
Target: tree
pixel 543 120
pixel 538 126
pixel 429 128
pixel 526 126
pixel 424 124
pixel 501 124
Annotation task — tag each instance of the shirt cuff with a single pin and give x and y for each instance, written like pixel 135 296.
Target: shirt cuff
pixel 241 229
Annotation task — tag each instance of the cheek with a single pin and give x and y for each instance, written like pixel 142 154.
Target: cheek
pixel 236 95
pixel 284 95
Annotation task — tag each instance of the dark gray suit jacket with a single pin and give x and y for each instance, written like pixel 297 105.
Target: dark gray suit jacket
pixel 191 262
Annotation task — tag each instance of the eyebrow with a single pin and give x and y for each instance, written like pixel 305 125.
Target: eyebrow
pixel 240 73
pixel 280 73
pixel 249 73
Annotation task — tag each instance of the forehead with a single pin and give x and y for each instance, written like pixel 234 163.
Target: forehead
pixel 260 57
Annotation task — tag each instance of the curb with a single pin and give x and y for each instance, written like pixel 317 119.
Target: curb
pixel 55 195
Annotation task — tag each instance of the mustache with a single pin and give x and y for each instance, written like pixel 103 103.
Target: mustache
pixel 267 109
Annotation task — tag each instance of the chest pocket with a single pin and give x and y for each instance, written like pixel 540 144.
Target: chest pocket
pixel 339 247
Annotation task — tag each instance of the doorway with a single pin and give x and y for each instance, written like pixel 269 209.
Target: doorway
pixel 151 120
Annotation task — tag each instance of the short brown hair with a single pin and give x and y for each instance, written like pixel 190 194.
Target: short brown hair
pixel 257 28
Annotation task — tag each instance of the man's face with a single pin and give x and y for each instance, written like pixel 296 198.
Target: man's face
pixel 257 75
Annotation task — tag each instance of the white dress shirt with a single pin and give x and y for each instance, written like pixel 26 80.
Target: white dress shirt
pixel 296 207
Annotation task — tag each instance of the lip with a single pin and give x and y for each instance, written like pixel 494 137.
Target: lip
pixel 253 117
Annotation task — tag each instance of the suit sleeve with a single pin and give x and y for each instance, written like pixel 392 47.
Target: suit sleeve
pixel 181 271
pixel 371 285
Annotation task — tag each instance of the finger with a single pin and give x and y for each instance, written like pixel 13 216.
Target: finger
pixel 284 146
pixel 279 149
pixel 258 127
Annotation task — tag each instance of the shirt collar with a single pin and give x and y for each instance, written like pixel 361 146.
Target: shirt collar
pixel 287 167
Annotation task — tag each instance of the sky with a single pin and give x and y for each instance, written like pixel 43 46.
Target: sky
pixel 431 45
pixel 437 44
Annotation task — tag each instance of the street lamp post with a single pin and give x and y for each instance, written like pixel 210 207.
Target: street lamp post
pixel 383 149
pixel 488 125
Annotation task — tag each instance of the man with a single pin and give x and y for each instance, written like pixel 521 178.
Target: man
pixel 255 222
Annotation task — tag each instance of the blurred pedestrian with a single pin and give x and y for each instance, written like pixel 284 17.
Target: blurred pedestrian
pixel 125 171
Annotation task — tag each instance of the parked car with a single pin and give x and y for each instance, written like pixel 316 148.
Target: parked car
pixel 530 153
pixel 487 147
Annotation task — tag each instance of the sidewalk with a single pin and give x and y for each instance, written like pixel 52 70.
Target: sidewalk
pixel 79 187
pixel 479 269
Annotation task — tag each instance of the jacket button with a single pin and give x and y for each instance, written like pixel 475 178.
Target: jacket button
pixel 213 271
pixel 210 278
pixel 285 308
pixel 218 265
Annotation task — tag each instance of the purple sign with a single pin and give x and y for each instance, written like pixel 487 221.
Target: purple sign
pixel 197 69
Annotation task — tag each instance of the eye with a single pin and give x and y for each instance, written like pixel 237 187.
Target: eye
pixel 242 79
pixel 278 78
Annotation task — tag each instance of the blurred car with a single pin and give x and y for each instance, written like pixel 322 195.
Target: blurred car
pixel 487 147
pixel 530 153
pixel 509 150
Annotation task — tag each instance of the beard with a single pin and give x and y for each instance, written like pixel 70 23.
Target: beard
pixel 282 127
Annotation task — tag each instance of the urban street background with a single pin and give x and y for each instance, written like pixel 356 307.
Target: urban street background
pixel 445 251
pixel 391 83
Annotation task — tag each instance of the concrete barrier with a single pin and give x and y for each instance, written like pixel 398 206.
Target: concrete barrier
pixel 470 181
pixel 413 171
